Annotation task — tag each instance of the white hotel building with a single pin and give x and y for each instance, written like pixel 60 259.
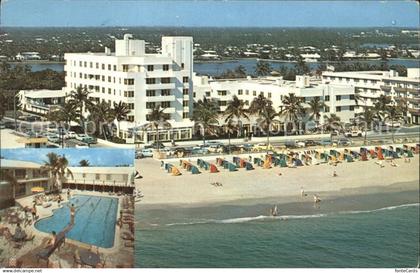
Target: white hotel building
pixel 140 80
pixel 338 99
pixel 369 85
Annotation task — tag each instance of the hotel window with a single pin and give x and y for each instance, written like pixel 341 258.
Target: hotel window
pixel 338 97
pixel 97 65
pixel 103 66
pixel 240 92
pixel 115 67
pixel 221 92
pixel 352 97
pixel 150 68
pixel 103 89
pixel 365 81
pixel 85 76
pixel 109 67
pixel 327 109
pixel 185 115
pixel 351 107
pixel 85 64
pixel 207 94
pixel 130 118
pixel 222 103
pixel 150 81
pixel 165 92
pixel 165 80
pixel 130 106
pixel 269 94
pixel 109 78
pixel 129 81
pixel 185 79
pixel 185 91
pixel 150 105
pixel 338 109
pixel 327 98
pixel 193 94
pixel 150 93
pixel 125 68
pixel 165 67
pixel 129 94
pixel 109 91
pixel 246 92
pixel 254 93
pixel 185 103
pixel 97 176
pixel 165 104
pixel 182 65
pixel 80 75
pixel 90 64
pixel 103 78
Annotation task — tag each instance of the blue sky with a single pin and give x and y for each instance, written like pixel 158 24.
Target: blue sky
pixel 96 156
pixel 210 13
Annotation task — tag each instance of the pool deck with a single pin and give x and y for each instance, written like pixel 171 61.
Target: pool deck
pixel 121 255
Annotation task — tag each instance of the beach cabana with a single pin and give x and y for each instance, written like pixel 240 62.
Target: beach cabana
pixel 175 171
pixel 194 170
pixel 379 153
pixel 297 162
pixel 417 149
pixel 267 164
pixel 248 166
pixel 348 158
pixel 409 153
pixel 242 163
pixel 213 168
pixel 363 156
pixel 231 167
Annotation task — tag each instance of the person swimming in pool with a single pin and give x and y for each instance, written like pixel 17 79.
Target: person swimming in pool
pixel 72 213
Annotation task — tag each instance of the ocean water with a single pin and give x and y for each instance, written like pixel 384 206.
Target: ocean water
pixel 94 222
pixel 352 232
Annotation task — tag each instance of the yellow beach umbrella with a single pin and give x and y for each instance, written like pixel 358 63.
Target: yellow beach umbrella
pixel 37 189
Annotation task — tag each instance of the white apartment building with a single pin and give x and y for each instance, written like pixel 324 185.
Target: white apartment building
pixel 339 100
pixel 140 80
pixel 369 85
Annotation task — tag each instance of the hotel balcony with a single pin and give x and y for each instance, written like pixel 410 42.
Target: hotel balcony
pixel 160 98
pixel 169 110
pixel 386 88
pixel 157 86
pixel 410 90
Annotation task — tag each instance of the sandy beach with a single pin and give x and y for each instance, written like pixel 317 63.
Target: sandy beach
pixel 159 187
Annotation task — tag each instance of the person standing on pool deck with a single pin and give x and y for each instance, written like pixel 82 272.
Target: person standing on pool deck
pixel 34 212
pixel 72 214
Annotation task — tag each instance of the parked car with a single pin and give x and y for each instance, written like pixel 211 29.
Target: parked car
pixel 343 142
pixel 70 135
pixel 2 125
pixel 247 147
pixel 154 145
pixel 85 138
pixel 231 148
pixel 354 133
pixel 215 148
pixel 52 137
pixel 144 153
pixel 325 142
pixel 261 147
pixel 310 142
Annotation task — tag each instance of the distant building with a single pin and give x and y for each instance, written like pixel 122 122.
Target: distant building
pixel 101 179
pixel 41 101
pixel 34 142
pixel 26 56
pixel 369 85
pixel 338 99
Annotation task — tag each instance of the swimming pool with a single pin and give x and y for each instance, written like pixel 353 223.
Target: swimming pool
pixel 94 223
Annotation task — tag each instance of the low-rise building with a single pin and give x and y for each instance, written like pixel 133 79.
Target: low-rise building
pixel 370 85
pixel 41 101
pixel 338 99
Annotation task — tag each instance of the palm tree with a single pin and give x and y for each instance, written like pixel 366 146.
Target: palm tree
pixel 158 118
pixel 101 113
pixel 80 99
pixel 394 114
pixel 292 109
pixel 3 105
pixel 332 122
pixel 316 106
pixel 381 106
pixel 235 110
pixel 367 117
pixel 262 68
pixel 84 163
pixel 57 166
pixel 230 127
pixel 121 111
pixel 205 115
pixel 65 114
pixel 258 105
pixel 267 116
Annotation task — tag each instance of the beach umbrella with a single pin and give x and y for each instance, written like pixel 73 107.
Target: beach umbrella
pixel 37 189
